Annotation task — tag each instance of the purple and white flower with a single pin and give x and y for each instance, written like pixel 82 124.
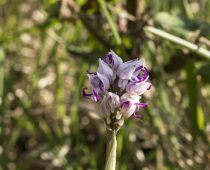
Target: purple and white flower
pixel 118 86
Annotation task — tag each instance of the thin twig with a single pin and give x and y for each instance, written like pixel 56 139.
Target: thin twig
pixel 193 47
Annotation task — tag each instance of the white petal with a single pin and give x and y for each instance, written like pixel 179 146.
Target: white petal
pixel 104 80
pixel 138 88
pixel 127 112
pixel 122 84
pixel 131 111
pixel 103 108
pixel 114 101
pixel 131 97
pixel 126 70
pixel 117 60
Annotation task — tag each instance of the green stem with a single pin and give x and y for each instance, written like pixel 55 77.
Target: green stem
pixel 193 47
pixel 111 151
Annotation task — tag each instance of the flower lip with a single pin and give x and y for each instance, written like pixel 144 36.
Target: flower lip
pixel 125 104
pixel 137 116
pixel 145 74
pixel 86 94
pixel 142 105
pixel 142 77
pixel 92 95
pixel 138 68
pixel 127 107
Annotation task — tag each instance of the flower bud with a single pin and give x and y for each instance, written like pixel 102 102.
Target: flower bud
pixel 109 103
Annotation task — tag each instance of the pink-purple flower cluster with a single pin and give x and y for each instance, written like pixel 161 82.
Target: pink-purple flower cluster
pixel 118 86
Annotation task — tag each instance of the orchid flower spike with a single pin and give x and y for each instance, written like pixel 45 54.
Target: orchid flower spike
pixel 118 88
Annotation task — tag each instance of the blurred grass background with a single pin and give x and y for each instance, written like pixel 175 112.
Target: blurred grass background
pixel 46 47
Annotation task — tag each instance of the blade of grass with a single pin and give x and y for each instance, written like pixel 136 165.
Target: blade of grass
pixel 184 5
pixel 60 107
pixel 33 87
pixel 79 78
pixel 1 73
pixel 193 47
pixel 32 119
pixel 201 118
pixel 26 107
pixel 110 21
pixel 192 92
pixel 59 89
pixel 207 11
pixel 73 112
pixel 4 157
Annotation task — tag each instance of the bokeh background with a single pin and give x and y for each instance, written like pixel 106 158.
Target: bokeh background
pixel 46 46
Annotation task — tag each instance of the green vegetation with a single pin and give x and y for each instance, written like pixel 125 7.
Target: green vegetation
pixel 46 46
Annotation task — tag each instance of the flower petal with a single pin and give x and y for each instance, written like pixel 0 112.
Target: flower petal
pixel 109 103
pixel 114 101
pixel 105 83
pixel 137 88
pixel 134 97
pixel 122 84
pixel 127 69
pixel 99 81
pixel 113 60
pixel 136 116
pixel 105 69
pixel 103 108
pixel 141 105
pixel 127 107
